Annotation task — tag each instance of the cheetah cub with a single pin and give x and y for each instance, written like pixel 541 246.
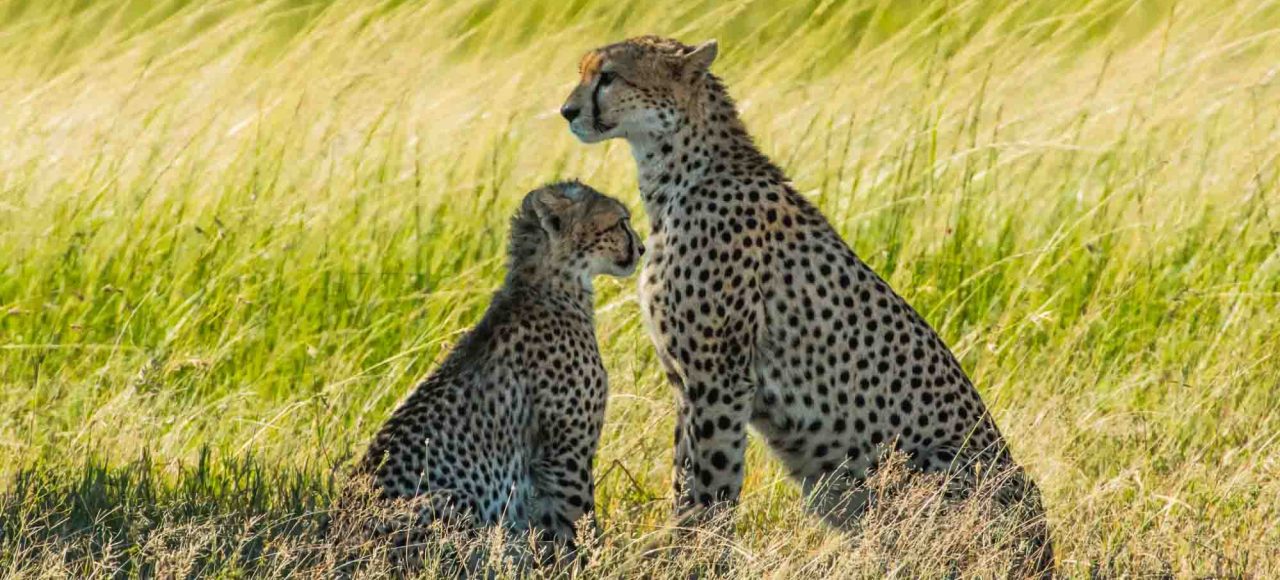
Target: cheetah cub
pixel 763 316
pixel 504 432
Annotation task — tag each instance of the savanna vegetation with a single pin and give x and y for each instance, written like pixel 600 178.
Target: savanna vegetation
pixel 233 233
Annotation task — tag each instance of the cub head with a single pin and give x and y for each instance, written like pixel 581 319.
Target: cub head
pixel 570 227
pixel 638 87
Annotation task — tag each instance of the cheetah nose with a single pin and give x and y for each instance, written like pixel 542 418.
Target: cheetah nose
pixel 570 112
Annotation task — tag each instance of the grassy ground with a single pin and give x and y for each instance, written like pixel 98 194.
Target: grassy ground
pixel 233 233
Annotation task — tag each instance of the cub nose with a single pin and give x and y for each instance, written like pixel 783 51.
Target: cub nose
pixel 570 112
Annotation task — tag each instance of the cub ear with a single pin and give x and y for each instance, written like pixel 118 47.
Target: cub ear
pixel 701 57
pixel 550 205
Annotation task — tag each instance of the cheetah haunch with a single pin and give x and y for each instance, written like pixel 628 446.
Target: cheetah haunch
pixel 763 316
pixel 504 432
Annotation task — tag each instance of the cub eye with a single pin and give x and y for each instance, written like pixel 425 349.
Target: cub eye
pixel 606 78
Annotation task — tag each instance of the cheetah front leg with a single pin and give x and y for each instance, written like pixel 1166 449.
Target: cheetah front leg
pixel 564 493
pixel 704 325
pixel 711 439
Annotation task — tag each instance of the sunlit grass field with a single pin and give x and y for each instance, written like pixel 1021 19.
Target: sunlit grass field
pixel 233 234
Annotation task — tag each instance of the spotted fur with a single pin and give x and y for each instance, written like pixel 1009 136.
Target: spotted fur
pixel 504 432
pixel 763 316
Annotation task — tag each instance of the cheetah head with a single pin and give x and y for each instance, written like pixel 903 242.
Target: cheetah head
pixel 637 88
pixel 578 229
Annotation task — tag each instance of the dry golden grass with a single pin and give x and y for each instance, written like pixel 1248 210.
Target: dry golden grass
pixel 233 233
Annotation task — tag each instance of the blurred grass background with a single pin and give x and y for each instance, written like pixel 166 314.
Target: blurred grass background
pixel 233 234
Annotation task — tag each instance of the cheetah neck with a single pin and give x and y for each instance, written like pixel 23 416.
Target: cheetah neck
pixel 673 166
pixel 565 284
pixel 669 166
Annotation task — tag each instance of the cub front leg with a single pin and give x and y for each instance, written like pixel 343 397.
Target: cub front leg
pixel 564 452
pixel 564 496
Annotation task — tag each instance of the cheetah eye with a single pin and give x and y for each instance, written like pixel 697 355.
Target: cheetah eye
pixel 606 78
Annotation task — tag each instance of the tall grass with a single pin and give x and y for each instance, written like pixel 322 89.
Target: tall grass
pixel 233 233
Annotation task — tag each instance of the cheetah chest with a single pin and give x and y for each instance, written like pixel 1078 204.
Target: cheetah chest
pixel 655 289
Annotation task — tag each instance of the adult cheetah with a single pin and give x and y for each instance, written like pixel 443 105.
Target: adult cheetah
pixel 762 315
pixel 504 432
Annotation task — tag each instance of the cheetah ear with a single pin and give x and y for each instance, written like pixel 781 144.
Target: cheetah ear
pixel 549 205
pixel 701 57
